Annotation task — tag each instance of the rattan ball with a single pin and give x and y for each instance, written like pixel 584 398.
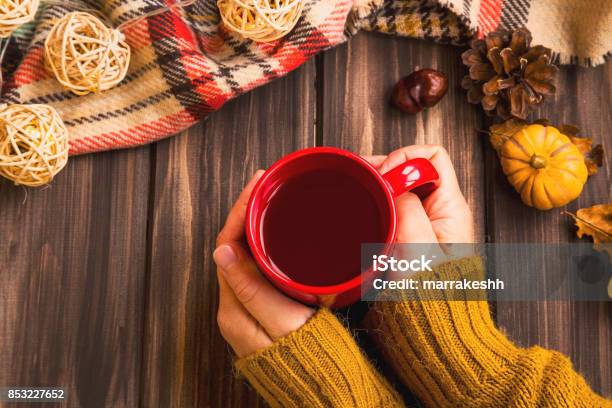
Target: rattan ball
pixel 85 55
pixel 33 144
pixel 14 13
pixel 260 20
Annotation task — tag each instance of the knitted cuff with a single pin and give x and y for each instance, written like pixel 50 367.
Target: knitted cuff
pixel 543 378
pixel 441 349
pixel 449 352
pixel 319 365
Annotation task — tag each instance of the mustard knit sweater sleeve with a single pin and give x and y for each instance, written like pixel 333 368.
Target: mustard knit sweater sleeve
pixel 450 354
pixel 317 366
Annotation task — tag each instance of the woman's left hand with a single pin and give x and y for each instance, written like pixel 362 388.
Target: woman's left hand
pixel 252 313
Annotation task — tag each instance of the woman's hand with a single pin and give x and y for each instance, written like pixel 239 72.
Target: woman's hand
pixel 444 216
pixel 252 313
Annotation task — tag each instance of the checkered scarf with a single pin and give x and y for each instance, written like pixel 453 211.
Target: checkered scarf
pixel 577 31
pixel 185 65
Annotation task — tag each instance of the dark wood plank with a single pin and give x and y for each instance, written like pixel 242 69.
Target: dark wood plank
pixel 198 175
pixel 581 330
pixel 357 79
pixel 72 262
pixel 356 114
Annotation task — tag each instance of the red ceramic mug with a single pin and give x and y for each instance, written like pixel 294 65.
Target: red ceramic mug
pixel 417 175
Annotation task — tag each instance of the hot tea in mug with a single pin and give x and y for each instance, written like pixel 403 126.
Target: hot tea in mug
pixel 311 211
pixel 314 224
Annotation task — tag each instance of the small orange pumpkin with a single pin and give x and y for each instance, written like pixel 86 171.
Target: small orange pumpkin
pixel 544 166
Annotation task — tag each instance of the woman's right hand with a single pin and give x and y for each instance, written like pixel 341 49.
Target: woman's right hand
pixel 441 219
pixel 444 216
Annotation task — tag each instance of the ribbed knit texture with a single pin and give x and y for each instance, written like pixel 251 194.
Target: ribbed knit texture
pixel 319 365
pixel 449 353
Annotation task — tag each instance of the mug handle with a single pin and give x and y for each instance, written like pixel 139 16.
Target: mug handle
pixel 416 175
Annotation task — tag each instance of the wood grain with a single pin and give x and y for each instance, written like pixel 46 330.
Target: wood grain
pixel 356 113
pixel 357 79
pixel 582 330
pixel 107 281
pixel 198 175
pixel 72 272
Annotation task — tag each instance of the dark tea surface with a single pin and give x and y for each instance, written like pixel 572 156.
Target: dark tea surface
pixel 315 223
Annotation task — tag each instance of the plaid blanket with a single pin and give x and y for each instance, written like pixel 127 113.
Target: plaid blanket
pixel 185 65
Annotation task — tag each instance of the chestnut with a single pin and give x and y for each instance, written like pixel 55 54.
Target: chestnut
pixel 419 90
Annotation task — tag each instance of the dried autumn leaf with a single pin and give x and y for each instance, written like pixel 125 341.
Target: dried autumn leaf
pixel 596 221
pixel 569 130
pixel 543 122
pixel 593 156
pixel 498 134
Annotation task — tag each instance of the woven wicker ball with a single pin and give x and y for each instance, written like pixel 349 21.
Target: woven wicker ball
pixel 85 55
pixel 260 20
pixel 14 13
pixel 33 144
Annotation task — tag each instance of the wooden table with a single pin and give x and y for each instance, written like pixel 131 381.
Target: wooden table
pixel 107 285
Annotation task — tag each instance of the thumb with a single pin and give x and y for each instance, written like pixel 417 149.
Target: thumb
pixel 413 224
pixel 257 295
pixel 415 229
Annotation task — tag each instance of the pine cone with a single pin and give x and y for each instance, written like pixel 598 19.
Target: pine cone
pixel 508 76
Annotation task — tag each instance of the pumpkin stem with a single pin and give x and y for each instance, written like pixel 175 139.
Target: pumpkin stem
pixel 537 161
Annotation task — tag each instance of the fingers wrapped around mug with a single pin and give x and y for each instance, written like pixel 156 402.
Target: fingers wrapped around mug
pixel 258 297
pixel 248 304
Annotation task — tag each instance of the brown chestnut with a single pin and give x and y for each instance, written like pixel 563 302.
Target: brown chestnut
pixel 419 90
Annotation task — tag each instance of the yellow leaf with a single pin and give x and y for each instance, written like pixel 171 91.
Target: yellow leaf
pixel 499 133
pixel 593 156
pixel 569 130
pixel 596 222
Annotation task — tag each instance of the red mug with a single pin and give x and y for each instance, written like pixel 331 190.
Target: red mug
pixel 416 175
